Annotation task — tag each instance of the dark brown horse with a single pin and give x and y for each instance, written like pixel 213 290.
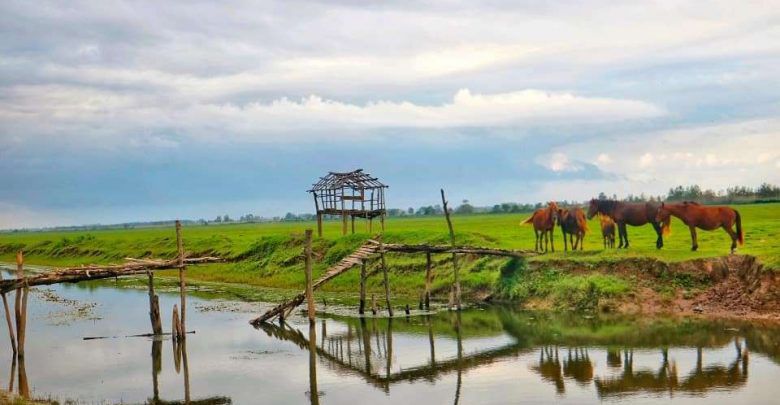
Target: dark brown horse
pixel 607 231
pixel 708 218
pixel 634 214
pixel 543 221
pixel 573 224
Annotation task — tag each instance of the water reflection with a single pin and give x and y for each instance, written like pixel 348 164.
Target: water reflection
pixel 567 348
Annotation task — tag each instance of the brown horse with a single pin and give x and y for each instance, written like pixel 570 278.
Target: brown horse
pixel 708 218
pixel 607 231
pixel 574 224
pixel 634 214
pixel 543 221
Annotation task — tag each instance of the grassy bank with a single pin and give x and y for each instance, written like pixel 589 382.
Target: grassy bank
pixel 268 255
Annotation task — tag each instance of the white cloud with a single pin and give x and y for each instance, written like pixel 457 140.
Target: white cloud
pixel 603 159
pixel 646 160
pixel 41 108
pixel 560 162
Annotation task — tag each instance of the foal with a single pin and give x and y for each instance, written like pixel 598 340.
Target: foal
pixel 543 221
pixel 634 214
pixel 574 224
pixel 607 231
pixel 708 218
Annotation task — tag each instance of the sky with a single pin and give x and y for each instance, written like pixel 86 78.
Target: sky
pixel 118 111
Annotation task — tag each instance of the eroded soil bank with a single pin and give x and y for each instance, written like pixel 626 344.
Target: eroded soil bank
pixel 732 286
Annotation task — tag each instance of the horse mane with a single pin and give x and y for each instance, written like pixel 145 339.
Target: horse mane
pixel 582 222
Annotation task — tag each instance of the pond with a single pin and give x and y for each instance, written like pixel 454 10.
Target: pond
pixel 492 355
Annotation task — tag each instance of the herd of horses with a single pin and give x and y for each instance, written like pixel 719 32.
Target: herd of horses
pixel 614 216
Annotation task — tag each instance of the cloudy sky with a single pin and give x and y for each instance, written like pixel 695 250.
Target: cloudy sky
pixel 116 111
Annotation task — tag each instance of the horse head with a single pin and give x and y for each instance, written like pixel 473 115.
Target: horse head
pixel 593 208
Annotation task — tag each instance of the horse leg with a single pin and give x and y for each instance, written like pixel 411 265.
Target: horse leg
pixel 565 246
pixel 605 242
pixel 544 235
pixel 733 238
pixel 552 240
pixel 659 242
pixel 694 241
pixel 582 240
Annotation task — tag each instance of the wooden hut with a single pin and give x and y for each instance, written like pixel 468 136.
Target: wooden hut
pixel 351 195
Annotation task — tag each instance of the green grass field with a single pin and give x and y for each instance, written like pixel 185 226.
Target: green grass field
pixel 269 254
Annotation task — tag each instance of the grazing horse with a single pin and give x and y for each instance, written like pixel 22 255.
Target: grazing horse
pixel 708 218
pixel 543 221
pixel 607 231
pixel 634 214
pixel 574 224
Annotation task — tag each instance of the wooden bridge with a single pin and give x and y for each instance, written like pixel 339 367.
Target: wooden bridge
pixel 369 250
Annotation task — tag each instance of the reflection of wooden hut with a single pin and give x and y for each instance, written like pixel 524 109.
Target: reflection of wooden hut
pixel 352 194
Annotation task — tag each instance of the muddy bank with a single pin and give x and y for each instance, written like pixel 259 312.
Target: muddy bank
pixel 733 286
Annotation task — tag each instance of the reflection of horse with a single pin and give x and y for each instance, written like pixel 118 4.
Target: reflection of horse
pixel 630 381
pixel 707 218
pixel 543 221
pixel 579 367
pixel 634 214
pixel 607 231
pixel 574 224
pixel 550 368
pixel 705 378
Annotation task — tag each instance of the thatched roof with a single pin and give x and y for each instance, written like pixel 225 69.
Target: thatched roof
pixel 355 180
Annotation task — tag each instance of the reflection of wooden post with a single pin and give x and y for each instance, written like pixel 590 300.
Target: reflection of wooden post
pixel 183 349
pixel 459 382
pixel 8 321
pixel 431 342
pixel 308 264
pixel 182 288
pixel 366 344
pixel 156 367
pixel 387 280
pixel 314 395
pixel 456 285
pixel 362 308
pixel 154 306
pixel 428 274
pixel 389 351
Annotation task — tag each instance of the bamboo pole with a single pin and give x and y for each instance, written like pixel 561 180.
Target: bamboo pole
pixel 308 265
pixel 387 280
pixel 182 286
pixel 362 307
pixel 456 285
pixel 428 280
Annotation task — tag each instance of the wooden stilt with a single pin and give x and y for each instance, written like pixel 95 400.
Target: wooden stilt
pixel 382 221
pixel 319 224
pixel 387 280
pixel 362 308
pixel 456 283
pixel 373 304
pixel 182 286
pixel 10 324
pixel 20 306
pixel 428 279
pixel 353 224
pixel 308 266
pixel 176 331
pixel 154 306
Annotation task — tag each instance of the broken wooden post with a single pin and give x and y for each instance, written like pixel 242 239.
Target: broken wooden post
pixel 176 331
pixel 154 306
pixel 21 305
pixel 362 307
pixel 8 321
pixel 456 285
pixel 373 304
pixel 407 310
pixel 308 265
pixel 428 279
pixel 387 280
pixel 182 290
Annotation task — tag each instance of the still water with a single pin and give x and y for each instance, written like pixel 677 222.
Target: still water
pixel 482 356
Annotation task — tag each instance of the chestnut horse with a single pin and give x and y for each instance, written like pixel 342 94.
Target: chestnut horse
pixel 708 218
pixel 543 221
pixel 634 214
pixel 574 224
pixel 607 231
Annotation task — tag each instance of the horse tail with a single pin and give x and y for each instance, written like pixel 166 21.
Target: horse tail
pixel 666 227
pixel 740 234
pixel 530 220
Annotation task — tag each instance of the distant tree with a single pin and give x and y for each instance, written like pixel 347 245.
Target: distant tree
pixel 602 196
pixel 218 219
pixel 410 211
pixel 465 208
pixel 226 218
